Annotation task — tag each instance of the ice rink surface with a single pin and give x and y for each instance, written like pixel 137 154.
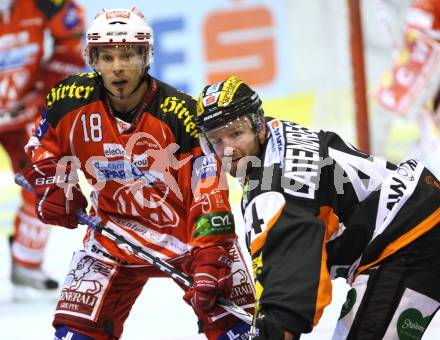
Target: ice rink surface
pixel 159 313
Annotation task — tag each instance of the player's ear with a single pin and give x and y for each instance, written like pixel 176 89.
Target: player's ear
pixel 262 131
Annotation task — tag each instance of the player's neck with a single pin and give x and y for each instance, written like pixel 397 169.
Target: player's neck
pixel 130 102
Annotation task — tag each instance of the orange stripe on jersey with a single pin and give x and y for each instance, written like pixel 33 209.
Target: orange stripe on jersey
pixel 324 296
pixel 331 220
pixel 258 243
pixel 423 227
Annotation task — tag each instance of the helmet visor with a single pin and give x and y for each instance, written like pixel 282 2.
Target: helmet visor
pixel 107 58
pixel 232 134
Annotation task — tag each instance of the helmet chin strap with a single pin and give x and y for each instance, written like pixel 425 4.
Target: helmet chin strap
pixel 143 78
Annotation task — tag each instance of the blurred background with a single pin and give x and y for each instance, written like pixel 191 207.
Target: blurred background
pixel 299 56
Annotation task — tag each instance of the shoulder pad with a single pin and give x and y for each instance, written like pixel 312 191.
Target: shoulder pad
pixel 71 93
pixel 50 7
pixel 179 106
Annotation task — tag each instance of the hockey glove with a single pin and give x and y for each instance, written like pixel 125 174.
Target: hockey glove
pixel 267 327
pixel 211 268
pixel 57 195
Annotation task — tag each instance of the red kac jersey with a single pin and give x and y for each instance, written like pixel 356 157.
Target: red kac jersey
pixel 150 180
pixel 22 40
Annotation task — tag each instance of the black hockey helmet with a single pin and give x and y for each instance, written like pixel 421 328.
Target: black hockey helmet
pixel 225 101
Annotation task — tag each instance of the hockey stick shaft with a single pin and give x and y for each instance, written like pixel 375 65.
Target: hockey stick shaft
pixel 94 223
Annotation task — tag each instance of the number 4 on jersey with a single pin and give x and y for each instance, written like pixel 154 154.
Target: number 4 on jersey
pixel 260 215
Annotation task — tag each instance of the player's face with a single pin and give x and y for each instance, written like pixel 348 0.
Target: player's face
pixel 121 68
pixel 233 142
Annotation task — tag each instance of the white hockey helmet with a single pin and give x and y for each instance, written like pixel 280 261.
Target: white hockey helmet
pixel 120 26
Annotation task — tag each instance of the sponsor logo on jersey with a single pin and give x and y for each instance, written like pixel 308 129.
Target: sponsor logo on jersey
pixel 301 160
pixel 276 129
pixel 406 170
pixel 275 123
pixel 43 126
pixel 100 252
pixel 205 166
pixel 431 180
pixel 17 56
pixel 242 290
pixel 411 324
pixel 145 202
pixel 71 18
pixel 214 224
pixel 113 150
pixel 72 91
pixel 85 286
pixel 31 22
pixel 140 161
pixel 116 170
pixel 177 106
pixel 397 189
pixel 8 41
pixel 148 143
pixel 398 186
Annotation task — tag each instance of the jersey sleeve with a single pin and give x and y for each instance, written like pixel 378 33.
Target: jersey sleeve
pixel 65 20
pixel 43 142
pixel 55 127
pixel 210 219
pixel 349 177
pixel 289 260
pixel 201 181
pixel 350 174
pixel 405 208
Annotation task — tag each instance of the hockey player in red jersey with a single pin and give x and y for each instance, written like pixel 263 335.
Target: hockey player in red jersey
pixel 424 17
pixel 134 139
pixel 411 88
pixel 315 207
pixel 24 79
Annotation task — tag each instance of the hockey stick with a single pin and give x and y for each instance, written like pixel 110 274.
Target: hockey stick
pixel 164 266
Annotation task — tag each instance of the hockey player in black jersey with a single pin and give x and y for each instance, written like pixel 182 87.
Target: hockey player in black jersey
pixel 315 208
